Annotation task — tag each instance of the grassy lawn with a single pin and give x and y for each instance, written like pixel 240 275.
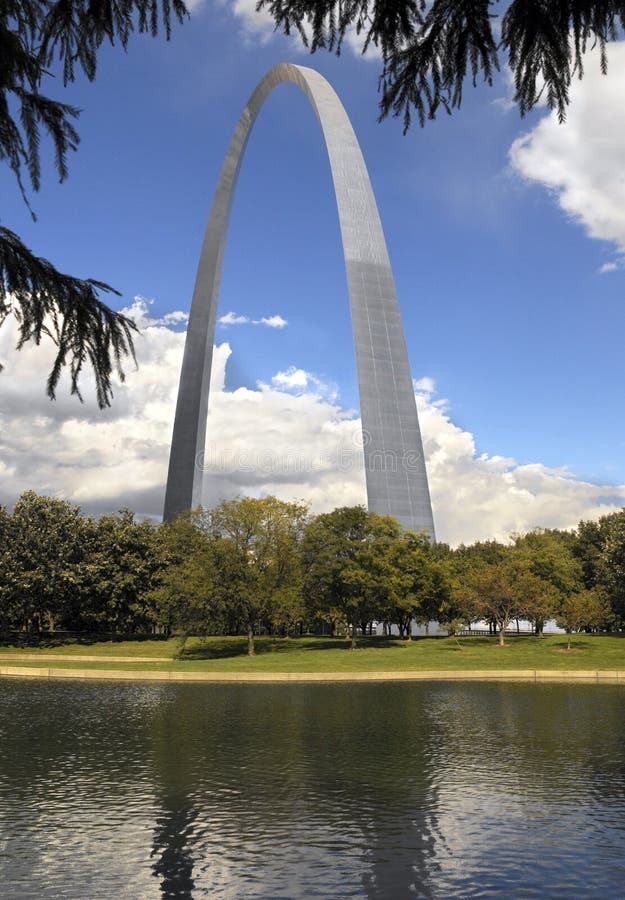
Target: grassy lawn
pixel 85 646
pixel 310 654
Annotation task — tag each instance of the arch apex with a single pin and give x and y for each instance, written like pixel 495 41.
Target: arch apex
pixel 395 471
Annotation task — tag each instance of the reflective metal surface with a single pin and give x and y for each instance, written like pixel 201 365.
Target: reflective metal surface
pixel 394 463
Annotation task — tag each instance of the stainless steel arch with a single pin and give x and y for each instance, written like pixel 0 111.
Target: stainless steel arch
pixel 394 464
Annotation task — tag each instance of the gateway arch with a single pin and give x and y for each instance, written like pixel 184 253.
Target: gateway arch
pixel 395 471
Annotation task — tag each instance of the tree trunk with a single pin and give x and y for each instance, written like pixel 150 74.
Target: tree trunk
pixel 354 644
pixel 502 634
pixel 251 651
pixel 568 637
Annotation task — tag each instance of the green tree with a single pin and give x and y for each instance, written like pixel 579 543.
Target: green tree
pixel 8 571
pixel 255 548
pixel 124 562
pixel 582 610
pixel 481 552
pixel 549 555
pixel 417 587
pixel 611 563
pixel 501 591
pixel 589 541
pixel 346 569
pixel 462 564
pixel 39 39
pixel 41 560
pixel 183 598
pixel 430 49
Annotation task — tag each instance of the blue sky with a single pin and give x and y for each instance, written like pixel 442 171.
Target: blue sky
pixel 504 305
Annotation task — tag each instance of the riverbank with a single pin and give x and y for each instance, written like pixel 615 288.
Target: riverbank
pixel 545 675
pixel 591 658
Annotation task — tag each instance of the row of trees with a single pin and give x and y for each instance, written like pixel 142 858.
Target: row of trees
pixel 250 565
pixel 61 570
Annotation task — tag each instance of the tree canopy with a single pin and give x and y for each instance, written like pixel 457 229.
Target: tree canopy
pixel 265 566
pixel 38 40
pixel 429 49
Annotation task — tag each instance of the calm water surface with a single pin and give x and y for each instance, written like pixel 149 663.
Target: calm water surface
pixel 372 791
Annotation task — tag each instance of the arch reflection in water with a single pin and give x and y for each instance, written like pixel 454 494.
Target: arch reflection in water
pixel 172 835
pixel 268 791
pixel 275 803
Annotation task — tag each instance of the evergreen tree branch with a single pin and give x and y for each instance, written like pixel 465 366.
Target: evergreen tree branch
pixel 35 36
pixel 68 310
pixel 74 30
pixel 429 49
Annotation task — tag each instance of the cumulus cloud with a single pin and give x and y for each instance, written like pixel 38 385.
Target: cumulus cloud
pixel 290 438
pixel 292 378
pixel 232 318
pixel 140 312
pixel 298 380
pixel 256 26
pixel 272 322
pixel 581 161
pixel 607 267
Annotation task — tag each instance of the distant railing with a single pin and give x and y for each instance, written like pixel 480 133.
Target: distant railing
pixel 484 632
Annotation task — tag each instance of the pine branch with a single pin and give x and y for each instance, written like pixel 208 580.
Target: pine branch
pixel 48 303
pixel 454 40
pixel 35 35
pixel 74 30
pixel 429 49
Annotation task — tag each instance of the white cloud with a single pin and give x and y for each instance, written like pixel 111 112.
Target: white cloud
pixel 232 318
pixel 256 26
pixel 298 380
pixel 608 267
pixel 272 322
pixel 292 378
pixel 173 318
pixel 288 438
pixel 424 385
pixel 581 161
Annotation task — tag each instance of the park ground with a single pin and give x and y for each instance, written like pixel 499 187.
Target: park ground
pixel 318 655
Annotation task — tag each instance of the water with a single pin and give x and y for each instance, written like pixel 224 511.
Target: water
pixel 437 790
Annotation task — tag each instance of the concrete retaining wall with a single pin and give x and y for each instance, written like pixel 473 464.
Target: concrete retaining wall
pixel 537 675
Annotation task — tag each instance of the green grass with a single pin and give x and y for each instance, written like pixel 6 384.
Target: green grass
pixel 85 646
pixel 309 654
